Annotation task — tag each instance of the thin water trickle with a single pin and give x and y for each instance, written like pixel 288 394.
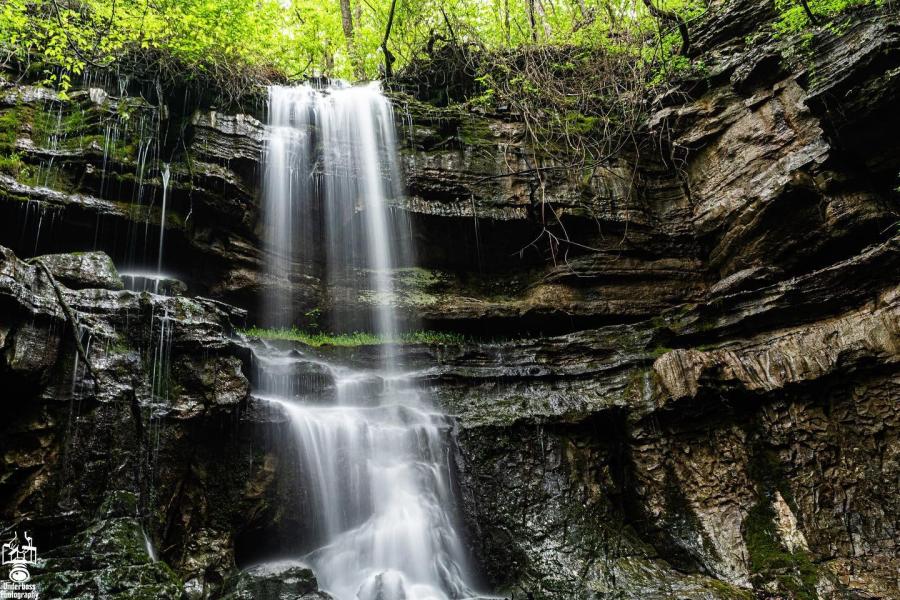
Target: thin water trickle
pixel 37 235
pixel 372 452
pixel 109 144
pixel 162 218
pixel 148 545
pixel 148 281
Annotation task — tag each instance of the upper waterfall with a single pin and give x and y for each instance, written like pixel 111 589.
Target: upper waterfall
pixel 331 167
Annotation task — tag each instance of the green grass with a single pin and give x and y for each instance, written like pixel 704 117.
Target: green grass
pixel 12 164
pixel 319 338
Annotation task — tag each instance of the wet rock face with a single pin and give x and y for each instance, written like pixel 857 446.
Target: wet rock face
pixel 722 438
pixel 767 486
pixel 150 454
pixel 725 462
pixel 772 179
pixel 554 517
pixel 84 270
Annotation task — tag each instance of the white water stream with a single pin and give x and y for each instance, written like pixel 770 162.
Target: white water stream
pixel 162 216
pixel 373 453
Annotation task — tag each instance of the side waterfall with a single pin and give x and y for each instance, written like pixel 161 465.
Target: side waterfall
pixel 373 452
pixel 162 216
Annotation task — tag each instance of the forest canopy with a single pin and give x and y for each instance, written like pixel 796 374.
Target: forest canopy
pixel 351 39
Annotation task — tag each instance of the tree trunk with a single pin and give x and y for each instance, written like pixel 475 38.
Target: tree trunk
pixel 347 26
pixel 542 17
pixel 506 21
pixel 531 20
pixel 583 8
pixel 388 56
pixel 347 23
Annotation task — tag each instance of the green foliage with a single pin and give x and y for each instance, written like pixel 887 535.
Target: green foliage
pixel 792 17
pixel 67 36
pixel 301 38
pixel 293 39
pixel 318 338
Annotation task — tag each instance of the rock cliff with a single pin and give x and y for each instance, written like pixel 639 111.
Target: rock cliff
pixel 704 404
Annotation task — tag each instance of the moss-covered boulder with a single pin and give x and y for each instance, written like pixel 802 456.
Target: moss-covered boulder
pixel 111 558
pixel 284 580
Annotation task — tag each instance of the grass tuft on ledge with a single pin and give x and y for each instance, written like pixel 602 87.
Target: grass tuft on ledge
pixel 357 338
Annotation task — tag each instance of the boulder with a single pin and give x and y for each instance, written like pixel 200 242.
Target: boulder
pixel 284 580
pixel 83 270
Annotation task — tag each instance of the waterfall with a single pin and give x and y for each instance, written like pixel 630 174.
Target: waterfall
pixel 371 451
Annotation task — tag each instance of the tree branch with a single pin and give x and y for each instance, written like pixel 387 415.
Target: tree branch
pixel 809 13
pixel 70 316
pixel 672 16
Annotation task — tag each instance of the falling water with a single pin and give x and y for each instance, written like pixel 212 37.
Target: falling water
pixel 371 451
pixel 148 546
pixel 162 217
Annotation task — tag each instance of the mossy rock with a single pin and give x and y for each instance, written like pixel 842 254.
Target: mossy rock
pixel 286 580
pixel 151 581
pixel 109 559
pixel 119 503
pixel 118 541
pixel 793 573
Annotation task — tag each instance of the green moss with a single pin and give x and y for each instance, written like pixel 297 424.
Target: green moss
pixel 417 277
pixel 120 346
pixel 767 470
pixel 770 561
pixel 476 132
pixel 119 503
pixel 575 123
pixel 794 572
pixel 69 127
pixel 11 122
pixel 318 338
pixel 675 320
pixel 174 220
pixel 725 590
pixel 659 351
pixel 13 197
pixel 53 176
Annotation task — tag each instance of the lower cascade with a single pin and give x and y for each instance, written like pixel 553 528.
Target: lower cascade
pixel 373 452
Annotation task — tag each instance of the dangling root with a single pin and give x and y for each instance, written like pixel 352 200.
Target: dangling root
pixel 70 316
